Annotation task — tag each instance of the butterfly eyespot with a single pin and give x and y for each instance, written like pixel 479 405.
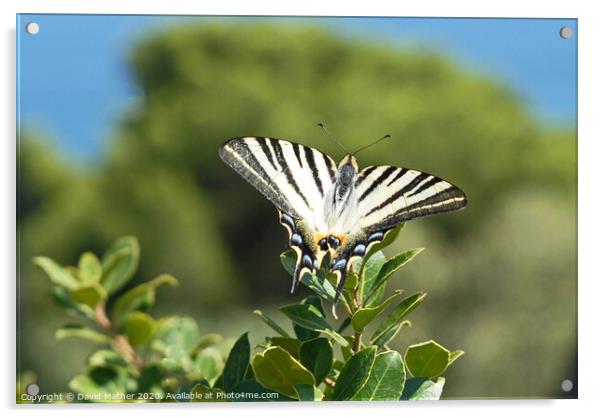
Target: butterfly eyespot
pixel 339 264
pixel 323 244
pixel 296 239
pixel 359 250
pixel 286 219
pixel 377 236
pixel 334 242
pixel 307 262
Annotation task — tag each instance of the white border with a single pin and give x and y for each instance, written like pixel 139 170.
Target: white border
pixel 590 69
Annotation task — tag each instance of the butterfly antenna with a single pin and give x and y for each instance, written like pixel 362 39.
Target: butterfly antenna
pixel 331 136
pixel 373 143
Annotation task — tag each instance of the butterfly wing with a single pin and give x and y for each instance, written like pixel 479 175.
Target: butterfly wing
pixel 386 197
pixel 293 177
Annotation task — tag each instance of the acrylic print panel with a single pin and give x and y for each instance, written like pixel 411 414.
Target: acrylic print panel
pixel 151 270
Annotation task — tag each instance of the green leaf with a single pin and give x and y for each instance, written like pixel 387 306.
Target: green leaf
pixel 237 363
pixel 208 364
pixel 139 327
pixel 454 355
pixel 119 263
pixel 305 334
pixel 89 266
pixel 151 377
pixel 317 356
pixel 61 296
pixel 363 316
pixel 103 380
pixel 270 323
pixel 251 391
pixel 422 389
pixel 308 393
pixel 203 393
pixel 289 261
pixel 107 358
pixel 389 237
pixel 141 297
pixel 276 369
pixel 391 266
pixel 81 331
pixel 84 384
pixel 320 285
pixel 370 271
pixel 354 374
pixel 344 325
pixel 178 334
pixel 209 340
pixel 90 294
pixel 390 333
pixel 291 345
pixel 310 317
pixel 386 379
pixel 428 359
pixel 347 351
pixel 351 281
pixel 57 274
pixel 396 317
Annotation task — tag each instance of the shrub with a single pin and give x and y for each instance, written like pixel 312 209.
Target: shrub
pixel 141 358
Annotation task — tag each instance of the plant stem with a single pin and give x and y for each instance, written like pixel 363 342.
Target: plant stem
pixel 101 317
pixel 347 307
pixel 120 343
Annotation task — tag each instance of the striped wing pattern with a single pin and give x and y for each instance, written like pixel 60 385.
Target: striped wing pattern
pixel 389 195
pixel 297 179
pixel 294 177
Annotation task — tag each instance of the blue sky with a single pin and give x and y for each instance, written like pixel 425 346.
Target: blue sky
pixel 73 79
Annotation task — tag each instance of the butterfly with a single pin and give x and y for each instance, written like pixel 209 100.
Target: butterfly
pixel 334 209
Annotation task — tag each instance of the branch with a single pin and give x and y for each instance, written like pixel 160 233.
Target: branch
pixel 119 343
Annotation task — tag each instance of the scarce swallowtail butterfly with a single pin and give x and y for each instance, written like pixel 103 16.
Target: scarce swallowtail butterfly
pixel 335 209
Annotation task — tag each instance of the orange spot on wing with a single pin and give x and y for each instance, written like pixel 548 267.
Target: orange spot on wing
pixel 318 238
pixel 342 238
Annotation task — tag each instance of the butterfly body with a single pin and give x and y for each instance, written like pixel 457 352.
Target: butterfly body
pixel 335 211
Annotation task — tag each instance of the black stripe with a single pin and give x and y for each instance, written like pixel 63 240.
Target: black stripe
pixel 379 180
pixel 364 174
pixel 266 151
pixel 311 162
pixel 417 180
pixel 289 177
pixel 399 193
pixel 427 204
pixel 297 153
pixel 329 167
pixel 253 162
pixel 426 185
pixel 399 175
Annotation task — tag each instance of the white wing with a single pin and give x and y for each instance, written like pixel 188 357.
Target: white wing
pixel 294 177
pixel 389 195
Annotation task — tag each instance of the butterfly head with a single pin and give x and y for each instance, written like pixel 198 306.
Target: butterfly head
pixel 348 164
pixel 346 175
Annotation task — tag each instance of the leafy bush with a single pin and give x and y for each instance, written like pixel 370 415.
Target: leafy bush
pixel 141 358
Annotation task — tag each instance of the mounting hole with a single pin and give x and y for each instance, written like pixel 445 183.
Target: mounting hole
pixel 566 32
pixel 32 389
pixel 32 28
pixel 566 385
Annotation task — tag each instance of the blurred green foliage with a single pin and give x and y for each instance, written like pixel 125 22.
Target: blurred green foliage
pixel 147 359
pixel 506 266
